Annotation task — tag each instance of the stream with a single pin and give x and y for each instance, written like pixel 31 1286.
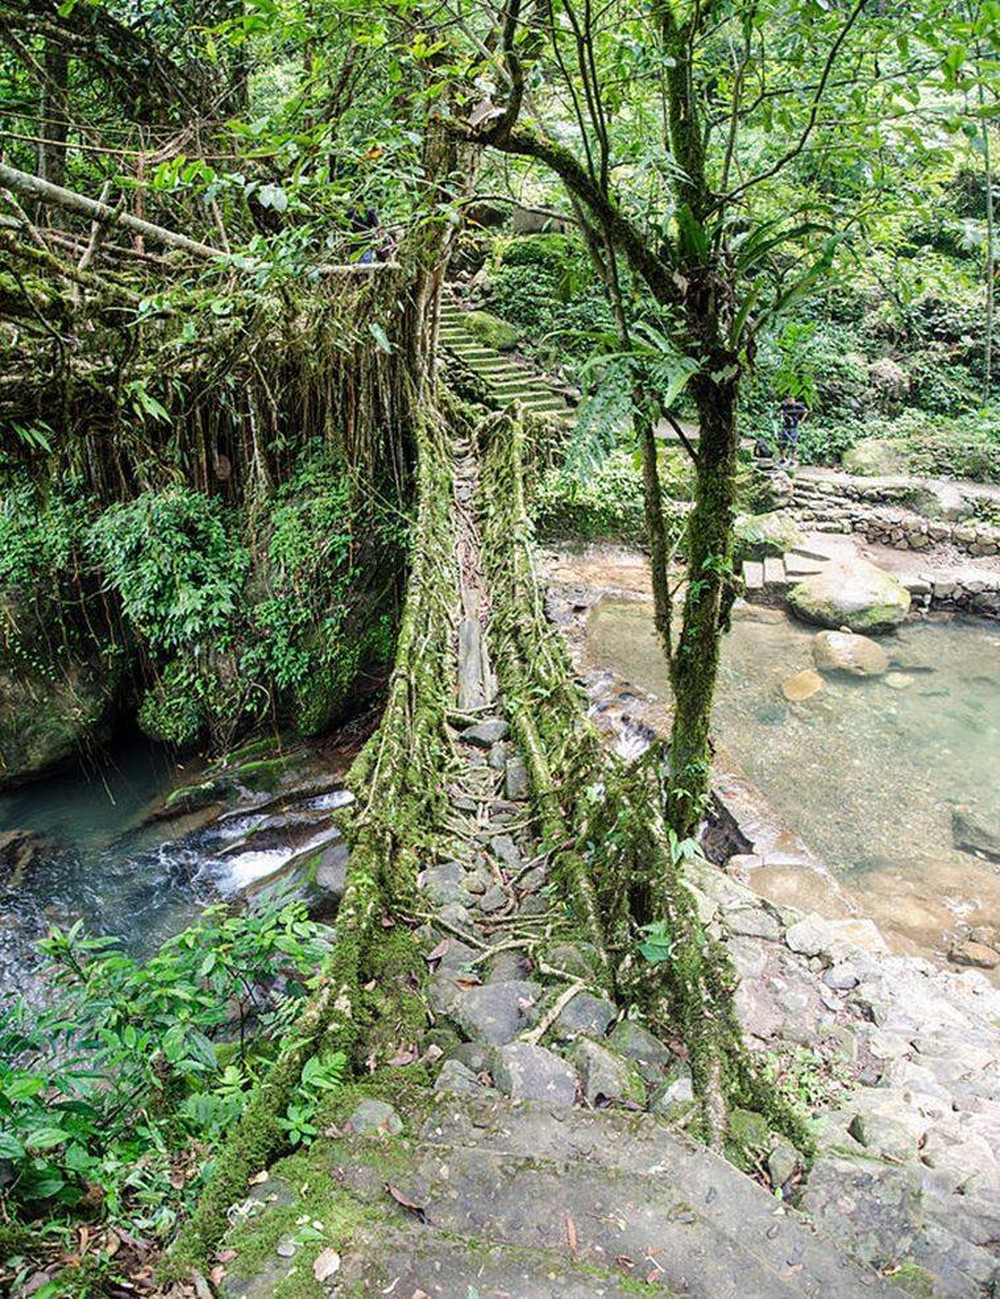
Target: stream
pixel 870 772
pixel 103 846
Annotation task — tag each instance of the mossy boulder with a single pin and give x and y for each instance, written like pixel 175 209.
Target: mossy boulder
pixel 48 721
pixel 490 330
pixel 760 535
pixel 858 596
pixel 876 458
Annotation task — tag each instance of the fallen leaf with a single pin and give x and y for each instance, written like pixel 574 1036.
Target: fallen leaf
pixel 432 1054
pixel 571 1235
pixel 327 1262
pixel 405 1202
pixel 623 1260
pixel 406 1055
pixel 258 1179
pixel 420 1294
pixel 438 952
pixel 225 1255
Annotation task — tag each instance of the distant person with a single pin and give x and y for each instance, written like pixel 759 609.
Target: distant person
pixel 792 412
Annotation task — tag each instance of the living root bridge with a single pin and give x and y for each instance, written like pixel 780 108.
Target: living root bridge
pixel 395 782
pixel 619 866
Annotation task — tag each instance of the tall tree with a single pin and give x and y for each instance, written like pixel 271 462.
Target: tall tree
pixel 670 126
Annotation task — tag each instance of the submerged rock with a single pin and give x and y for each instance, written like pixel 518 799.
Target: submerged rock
pixel 843 651
pixel 858 596
pixel 802 686
pixel 970 833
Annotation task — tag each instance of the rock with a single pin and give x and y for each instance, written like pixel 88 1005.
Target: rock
pixel 760 535
pixel 494 899
pixel 496 1012
pixel 968 952
pixel 752 922
pixel 803 685
pixel 898 680
pixel 840 651
pixel 639 1045
pixel 606 1075
pixel 458 1079
pixel 485 734
pixel 874 458
pixel 532 1073
pixel 504 847
pixel 816 936
pixel 872 1209
pixel 586 1014
pixel 884 1136
pixel 19 850
pixel 516 785
pixel 855 595
pixel 675 1098
pixel 971 833
pixel 442 883
pixel 498 756
pixel 372 1116
pixel 45 724
pixel 491 330
pixel 783 1161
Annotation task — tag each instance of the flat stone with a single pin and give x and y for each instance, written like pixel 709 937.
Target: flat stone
pixel 873 1210
pixel 816 936
pixel 532 1073
pixel 442 883
pixel 498 756
pixel 884 1136
pixel 485 734
pixel 494 899
pixel 586 1014
pixel 504 847
pixel 516 785
pixel 496 1012
pixel 752 922
pixel 606 1075
pixel 374 1117
pixel 803 685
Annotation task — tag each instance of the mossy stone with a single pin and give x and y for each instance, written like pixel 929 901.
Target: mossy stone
pixel 855 595
pixel 491 330
pixel 759 535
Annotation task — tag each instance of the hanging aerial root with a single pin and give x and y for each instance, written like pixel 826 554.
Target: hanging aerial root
pixel 397 786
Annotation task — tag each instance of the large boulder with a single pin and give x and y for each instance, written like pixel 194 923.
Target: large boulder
pixel 46 723
pixel 855 595
pixel 875 458
pixel 760 535
pixel 843 651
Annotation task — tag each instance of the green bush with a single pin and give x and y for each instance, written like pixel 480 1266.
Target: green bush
pixel 116 1084
pixel 608 506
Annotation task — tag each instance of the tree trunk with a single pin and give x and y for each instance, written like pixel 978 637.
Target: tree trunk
pixel 54 115
pixel 695 662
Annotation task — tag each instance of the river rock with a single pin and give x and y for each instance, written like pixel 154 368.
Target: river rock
pixel 814 935
pixel 842 651
pixel 485 734
pixel 19 850
pixel 855 595
pixel 803 685
pixel 971 832
pixel 532 1073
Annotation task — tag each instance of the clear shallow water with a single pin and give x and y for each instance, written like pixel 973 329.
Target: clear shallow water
pixel 867 773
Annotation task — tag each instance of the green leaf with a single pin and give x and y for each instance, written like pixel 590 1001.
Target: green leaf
pixel 46 1138
pixel 10 1147
pixel 380 336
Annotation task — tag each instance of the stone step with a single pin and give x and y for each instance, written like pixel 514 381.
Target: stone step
pixel 613 1190
pixel 774 571
pixel 753 575
pixel 802 565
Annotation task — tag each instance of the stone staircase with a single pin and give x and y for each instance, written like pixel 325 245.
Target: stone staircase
pixel 766 580
pixel 505 379
pixel 482 1196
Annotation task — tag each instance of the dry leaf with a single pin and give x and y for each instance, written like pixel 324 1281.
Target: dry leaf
pixel 623 1260
pixel 432 1054
pixel 439 951
pixel 420 1294
pixel 405 1202
pixel 327 1262
pixel 225 1255
pixel 258 1179
pixel 571 1235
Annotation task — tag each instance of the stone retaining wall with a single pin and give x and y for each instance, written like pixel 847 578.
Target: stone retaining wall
pixel 891 525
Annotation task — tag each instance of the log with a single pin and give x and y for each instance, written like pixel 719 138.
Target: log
pixel 43 191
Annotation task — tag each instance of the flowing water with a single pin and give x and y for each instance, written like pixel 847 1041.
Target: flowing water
pixel 102 858
pixel 868 771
